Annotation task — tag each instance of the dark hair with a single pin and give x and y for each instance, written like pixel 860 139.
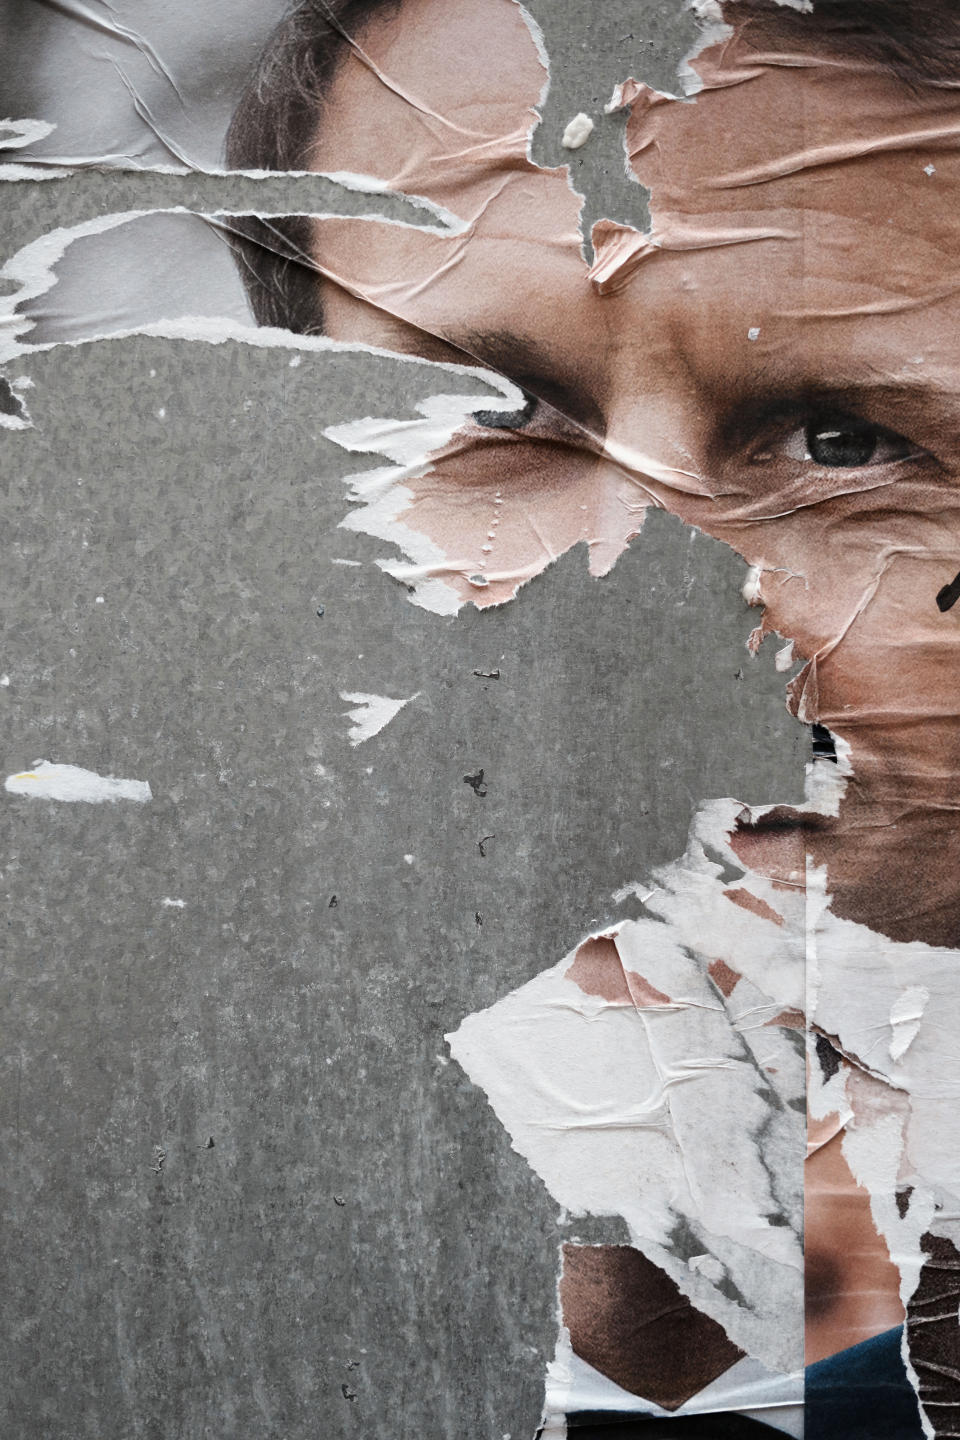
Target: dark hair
pixel 914 41
pixel 280 113
pixel 275 128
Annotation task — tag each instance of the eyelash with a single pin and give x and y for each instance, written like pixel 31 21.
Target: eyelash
pixel 844 442
pixel 842 428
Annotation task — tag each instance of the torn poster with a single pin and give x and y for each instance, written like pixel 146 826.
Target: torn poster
pixel 757 1074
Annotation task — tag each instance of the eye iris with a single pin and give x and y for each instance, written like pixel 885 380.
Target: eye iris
pixel 841 446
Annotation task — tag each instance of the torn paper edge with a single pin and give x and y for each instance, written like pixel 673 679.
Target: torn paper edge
pixel 371 713
pixel 379 493
pixel 32 267
pixel 72 784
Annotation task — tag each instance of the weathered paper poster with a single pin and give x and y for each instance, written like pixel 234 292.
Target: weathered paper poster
pixel 482 736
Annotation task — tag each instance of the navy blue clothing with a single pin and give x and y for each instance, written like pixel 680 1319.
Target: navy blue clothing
pixel 608 1425
pixel 862 1394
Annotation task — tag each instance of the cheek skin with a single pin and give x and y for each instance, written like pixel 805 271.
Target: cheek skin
pixel 853 581
pixel 859 600
pixel 501 508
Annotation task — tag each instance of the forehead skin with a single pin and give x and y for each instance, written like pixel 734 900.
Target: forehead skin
pixel 437 99
pixel 802 254
pixel 436 96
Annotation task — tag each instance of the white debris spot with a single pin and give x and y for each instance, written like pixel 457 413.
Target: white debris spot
pixel 162 413
pixel 578 132
pixel 100 600
pixel 371 713
pixel 929 169
pixel 4 680
pixel 751 586
pixel 708 1266
pixel 70 783
pixel 753 333
pixel 408 859
pixel 784 657
pixel 295 361
pixel 905 1016
pixel 171 904
pixel 338 561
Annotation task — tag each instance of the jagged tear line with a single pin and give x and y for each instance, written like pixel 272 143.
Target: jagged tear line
pixel 15 134
pixel 536 117
pixel 53 167
pixel 594 444
pixel 631 467
pixel 58 241
pixel 33 266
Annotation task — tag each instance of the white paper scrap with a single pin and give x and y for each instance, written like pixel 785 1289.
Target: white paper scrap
pixel 71 783
pixel 371 713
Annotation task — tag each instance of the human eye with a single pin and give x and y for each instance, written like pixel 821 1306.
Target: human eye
pixel 833 440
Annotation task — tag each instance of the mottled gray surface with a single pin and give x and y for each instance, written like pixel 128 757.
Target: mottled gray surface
pixel 244 1194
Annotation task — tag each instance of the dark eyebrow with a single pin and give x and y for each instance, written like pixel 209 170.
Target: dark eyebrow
pixel 905 402
pixel 507 351
pixel 536 370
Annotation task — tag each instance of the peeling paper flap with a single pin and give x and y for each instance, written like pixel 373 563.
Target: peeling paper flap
pixel 654 1111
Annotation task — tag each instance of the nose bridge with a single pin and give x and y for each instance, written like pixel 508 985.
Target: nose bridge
pixel 658 416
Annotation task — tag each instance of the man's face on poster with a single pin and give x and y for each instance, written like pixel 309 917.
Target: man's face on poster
pixel 776 363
